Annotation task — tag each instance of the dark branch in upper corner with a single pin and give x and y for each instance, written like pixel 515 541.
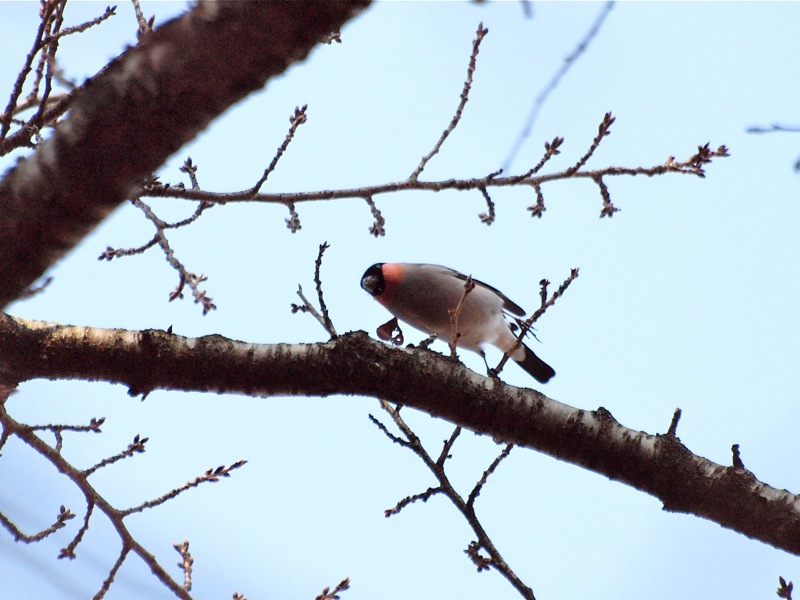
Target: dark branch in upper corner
pixel 49 106
pixel 89 166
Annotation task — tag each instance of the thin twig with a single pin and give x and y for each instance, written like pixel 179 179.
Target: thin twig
pixel 109 12
pixel 773 128
pixel 476 491
pixel 424 496
pixel 293 222
pixel 673 426
pixel 548 89
pixel 526 325
pixel 479 35
pixel 297 119
pixel 322 317
pixel 448 446
pixel 210 476
pixel 326 319
pixel 469 285
pixel 186 563
pixel 186 277
pixel 137 446
pixel 144 26
pixel 328 594
pixel 487 217
pixel 38 289
pixel 467 509
pixel 378 226
pixel 69 550
pixel 64 515
pixel 112 574
pixel 306 306
pixel 93 500
pixel 603 130
pixel 395 439
pixel 16 90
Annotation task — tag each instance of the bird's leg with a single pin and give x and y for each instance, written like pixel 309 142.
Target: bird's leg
pixel 490 372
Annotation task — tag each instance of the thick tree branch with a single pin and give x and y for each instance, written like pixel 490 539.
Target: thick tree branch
pixel 137 112
pixel 355 364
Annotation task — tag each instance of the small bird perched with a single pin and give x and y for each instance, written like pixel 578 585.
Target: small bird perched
pixel 423 296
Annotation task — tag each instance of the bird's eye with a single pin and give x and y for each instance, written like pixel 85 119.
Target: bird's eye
pixel 371 284
pixel 372 280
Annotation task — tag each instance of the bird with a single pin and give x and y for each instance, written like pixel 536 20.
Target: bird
pixel 423 295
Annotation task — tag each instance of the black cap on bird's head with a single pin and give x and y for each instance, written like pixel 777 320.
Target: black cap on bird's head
pixel 372 281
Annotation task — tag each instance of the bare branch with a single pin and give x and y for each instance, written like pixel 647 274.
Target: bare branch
pixel 186 563
pixel 602 131
pixel 691 166
pixel 775 127
pixel 476 491
pixel 354 364
pixel 210 476
pixel 410 500
pixel 323 317
pixel 296 120
pixel 93 499
pixel 38 289
pixel 16 91
pixel 328 594
pixel 673 426
pixel 105 149
pixel 467 509
pixel 378 226
pixel 489 217
pixel 69 550
pixel 389 434
pixel 570 60
pixel 469 285
pixel 109 12
pixel 318 282
pixel 113 573
pixel 448 446
pixel 186 277
pixel 293 222
pixel 479 35
pixel 525 326
pixel 144 26
pixel 64 515
pixel 137 446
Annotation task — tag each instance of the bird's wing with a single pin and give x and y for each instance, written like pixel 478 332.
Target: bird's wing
pixel 508 305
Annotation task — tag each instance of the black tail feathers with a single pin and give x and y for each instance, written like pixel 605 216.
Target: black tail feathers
pixel 540 370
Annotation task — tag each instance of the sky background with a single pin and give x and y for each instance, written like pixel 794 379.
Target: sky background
pixel 686 298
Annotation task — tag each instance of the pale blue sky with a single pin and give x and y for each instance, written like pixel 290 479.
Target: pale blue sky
pixel 686 298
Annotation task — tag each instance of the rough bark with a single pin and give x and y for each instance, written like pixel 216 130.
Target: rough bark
pixel 354 364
